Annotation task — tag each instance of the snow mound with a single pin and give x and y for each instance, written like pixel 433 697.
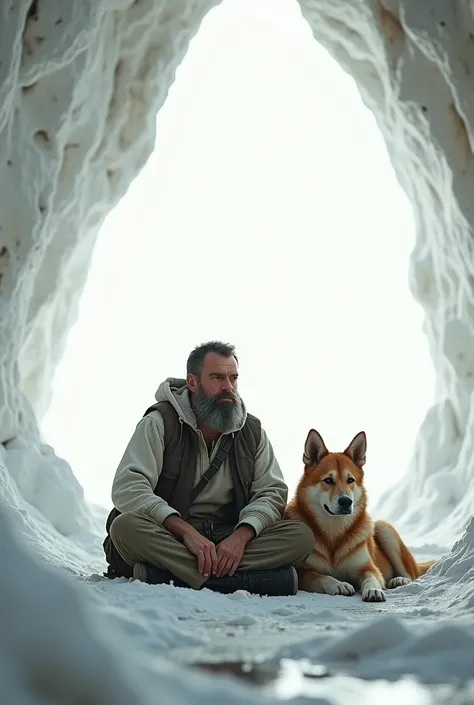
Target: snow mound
pixel 444 655
pixel 47 641
pixel 458 565
pixel 385 648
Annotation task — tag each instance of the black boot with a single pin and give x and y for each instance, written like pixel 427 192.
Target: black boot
pixel 277 582
pixel 148 573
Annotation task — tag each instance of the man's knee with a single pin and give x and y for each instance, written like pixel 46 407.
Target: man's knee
pixel 126 526
pixel 301 534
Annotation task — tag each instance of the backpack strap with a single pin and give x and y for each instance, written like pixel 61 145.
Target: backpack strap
pixel 213 468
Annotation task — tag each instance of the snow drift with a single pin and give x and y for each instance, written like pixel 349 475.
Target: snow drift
pixel 80 86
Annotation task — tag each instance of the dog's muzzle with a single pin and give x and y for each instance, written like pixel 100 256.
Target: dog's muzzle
pixel 344 506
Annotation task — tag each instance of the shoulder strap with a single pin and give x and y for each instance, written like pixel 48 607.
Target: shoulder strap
pixel 251 435
pixel 157 406
pixel 170 421
pixel 213 467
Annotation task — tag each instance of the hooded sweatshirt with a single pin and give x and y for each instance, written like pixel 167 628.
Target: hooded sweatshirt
pixel 140 467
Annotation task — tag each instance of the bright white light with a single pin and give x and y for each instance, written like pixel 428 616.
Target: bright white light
pixel 269 216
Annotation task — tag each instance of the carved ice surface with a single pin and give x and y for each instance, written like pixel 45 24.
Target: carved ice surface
pixel 80 86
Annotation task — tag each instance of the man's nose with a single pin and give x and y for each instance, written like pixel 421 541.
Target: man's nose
pixel 228 385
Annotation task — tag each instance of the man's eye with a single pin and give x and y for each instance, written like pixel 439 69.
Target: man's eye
pixel 328 480
pixel 350 480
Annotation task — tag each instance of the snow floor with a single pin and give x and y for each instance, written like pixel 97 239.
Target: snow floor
pixel 90 640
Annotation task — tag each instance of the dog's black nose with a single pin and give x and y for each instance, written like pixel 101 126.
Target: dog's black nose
pixel 345 502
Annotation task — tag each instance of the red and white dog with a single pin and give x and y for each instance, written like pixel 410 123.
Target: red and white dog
pixel 351 551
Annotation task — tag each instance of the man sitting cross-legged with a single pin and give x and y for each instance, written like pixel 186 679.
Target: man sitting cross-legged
pixel 199 495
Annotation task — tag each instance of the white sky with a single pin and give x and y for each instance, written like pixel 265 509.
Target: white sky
pixel 268 216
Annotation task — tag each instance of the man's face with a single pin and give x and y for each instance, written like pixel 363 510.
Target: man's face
pixel 216 400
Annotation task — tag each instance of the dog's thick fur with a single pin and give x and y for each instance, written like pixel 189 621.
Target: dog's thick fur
pixel 351 552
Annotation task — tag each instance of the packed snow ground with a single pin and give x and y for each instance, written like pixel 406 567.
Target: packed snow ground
pixel 70 636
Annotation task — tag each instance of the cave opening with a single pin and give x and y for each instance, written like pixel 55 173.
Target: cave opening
pixel 269 215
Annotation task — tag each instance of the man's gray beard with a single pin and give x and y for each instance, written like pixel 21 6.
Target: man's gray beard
pixel 222 416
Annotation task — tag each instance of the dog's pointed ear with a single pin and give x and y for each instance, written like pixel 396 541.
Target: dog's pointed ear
pixel 357 449
pixel 314 448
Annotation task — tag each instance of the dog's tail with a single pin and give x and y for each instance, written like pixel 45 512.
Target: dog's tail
pixel 423 566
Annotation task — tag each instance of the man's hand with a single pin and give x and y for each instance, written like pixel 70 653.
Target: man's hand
pixel 231 550
pixel 202 548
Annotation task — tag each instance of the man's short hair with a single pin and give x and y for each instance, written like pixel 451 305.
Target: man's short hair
pixel 195 361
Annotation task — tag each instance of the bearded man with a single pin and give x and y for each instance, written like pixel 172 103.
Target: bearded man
pixel 199 496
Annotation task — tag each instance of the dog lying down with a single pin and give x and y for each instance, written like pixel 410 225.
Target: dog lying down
pixel 351 551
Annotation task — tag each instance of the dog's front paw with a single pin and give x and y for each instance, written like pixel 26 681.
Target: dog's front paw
pixel 346 589
pixel 372 594
pixel 337 587
pixel 398 582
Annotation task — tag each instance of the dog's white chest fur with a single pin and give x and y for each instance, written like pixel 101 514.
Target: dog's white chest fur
pixel 346 569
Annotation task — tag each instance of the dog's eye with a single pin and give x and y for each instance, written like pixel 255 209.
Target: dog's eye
pixel 350 480
pixel 328 480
